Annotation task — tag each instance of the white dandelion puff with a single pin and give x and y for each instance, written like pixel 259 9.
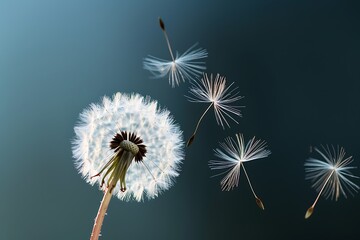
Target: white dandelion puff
pixel 219 95
pixel 181 67
pixel 233 155
pixel 128 146
pixel 330 177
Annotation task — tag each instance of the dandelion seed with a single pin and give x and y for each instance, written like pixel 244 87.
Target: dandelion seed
pixel 233 155
pixel 214 91
pixel 181 67
pixel 331 177
pixel 143 153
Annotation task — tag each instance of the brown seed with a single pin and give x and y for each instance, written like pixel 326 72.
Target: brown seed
pixel 190 140
pixel 162 25
pixel 309 212
pixel 260 203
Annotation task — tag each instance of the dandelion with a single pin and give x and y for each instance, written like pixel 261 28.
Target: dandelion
pixel 185 66
pixel 233 155
pixel 331 177
pixel 220 96
pixel 130 147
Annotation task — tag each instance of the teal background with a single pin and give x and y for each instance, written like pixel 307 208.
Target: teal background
pixel 296 62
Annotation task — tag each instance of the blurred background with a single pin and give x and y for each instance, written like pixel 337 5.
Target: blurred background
pixel 296 63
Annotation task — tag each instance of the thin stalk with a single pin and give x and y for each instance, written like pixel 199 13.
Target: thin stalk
pixel 117 171
pixel 101 213
pixel 162 25
pixel 191 139
pixel 311 209
pixel 168 43
pixel 258 201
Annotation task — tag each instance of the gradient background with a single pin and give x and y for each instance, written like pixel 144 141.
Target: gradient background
pixel 296 62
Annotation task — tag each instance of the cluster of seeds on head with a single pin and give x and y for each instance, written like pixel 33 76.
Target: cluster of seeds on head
pixel 130 142
pixel 127 147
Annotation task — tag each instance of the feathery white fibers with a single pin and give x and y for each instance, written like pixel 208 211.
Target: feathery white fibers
pixel 331 176
pixel 235 152
pixel 185 66
pixel 132 113
pixel 214 90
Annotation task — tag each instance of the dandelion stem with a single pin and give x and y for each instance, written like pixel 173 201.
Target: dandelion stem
pixel 162 25
pixel 101 213
pixel 191 139
pixel 311 209
pixel 258 201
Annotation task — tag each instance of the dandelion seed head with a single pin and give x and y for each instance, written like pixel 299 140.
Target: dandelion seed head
pixel 233 153
pixel 187 66
pixel 331 174
pixel 158 151
pixel 214 90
